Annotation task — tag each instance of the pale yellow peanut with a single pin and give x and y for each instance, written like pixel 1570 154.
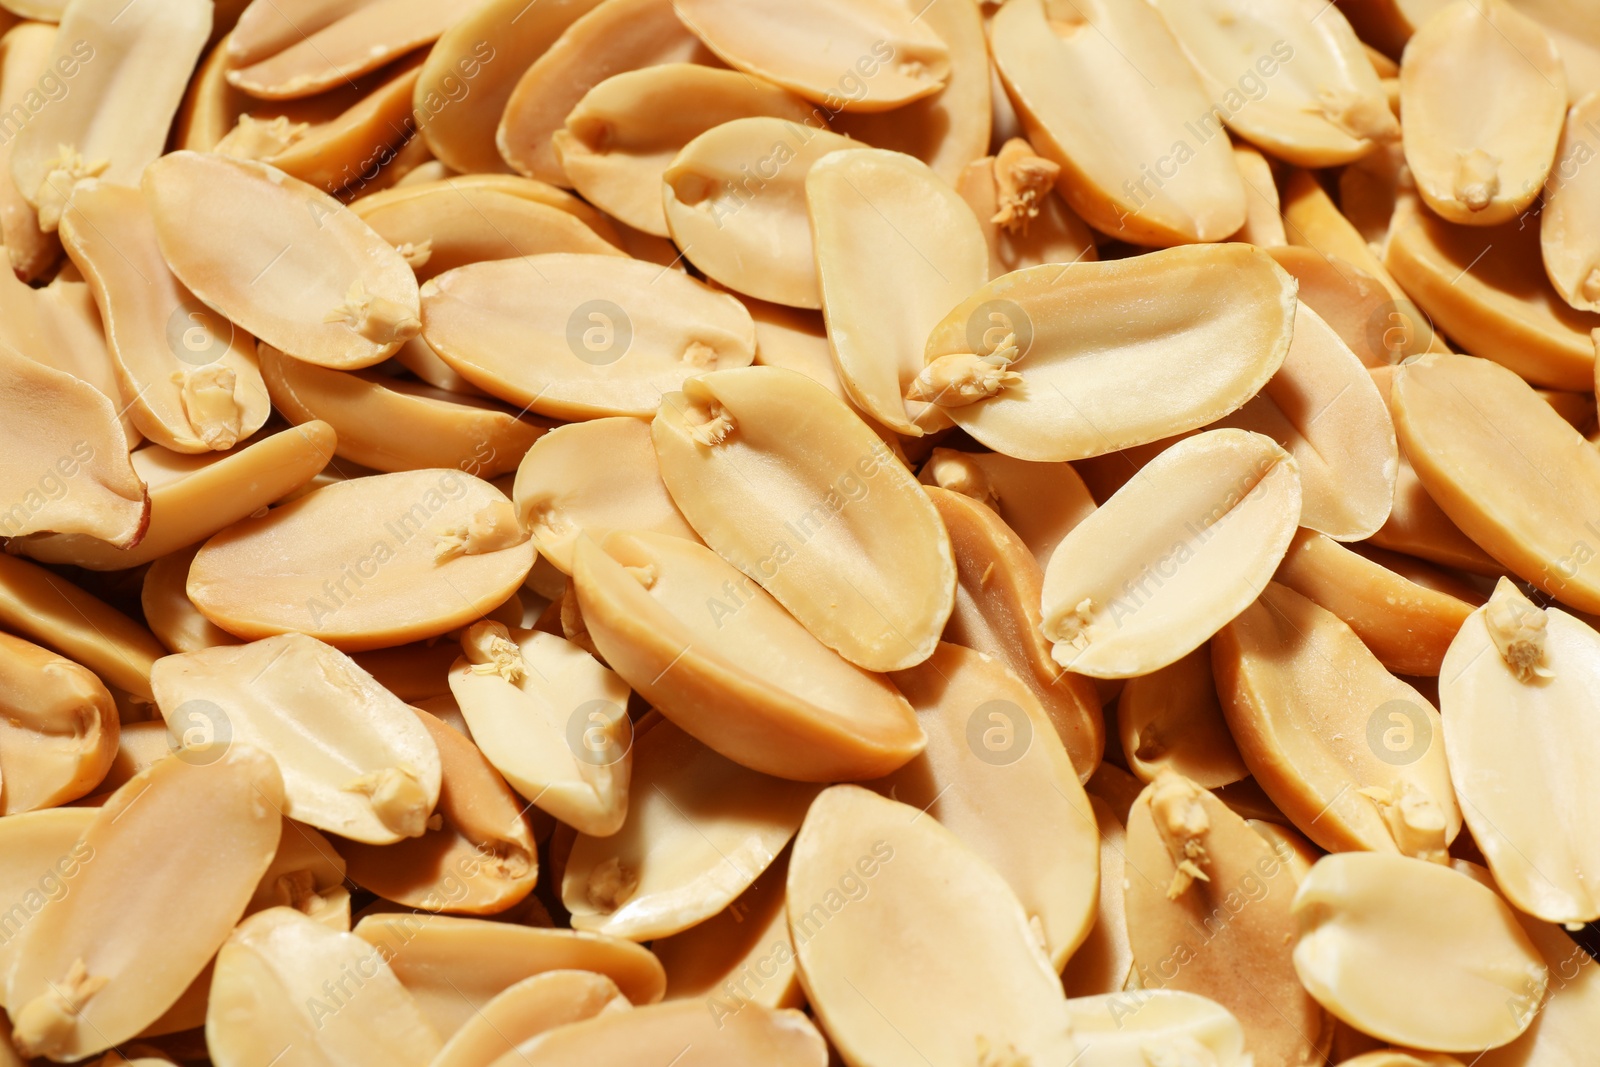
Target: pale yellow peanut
pixel 169 612
pixel 578 336
pixel 951 128
pixel 932 951
pixel 1144 160
pixel 264 29
pixel 66 467
pixel 786 483
pixel 551 719
pixel 95 966
pixel 895 248
pixel 1103 963
pixel 1040 502
pixel 1154 1026
pixel 1352 302
pixel 194 496
pixel 391 425
pixel 268 998
pixel 431 551
pixel 719 657
pixel 996 775
pixel 1572 211
pixel 997 613
pixel 1039 365
pixel 26 54
pixel 625 132
pixel 1181 549
pixel 1415 953
pixel 305 874
pixel 700 830
pixel 1519 502
pixel 1519 744
pixel 132 65
pixel 1171 719
pixel 139 746
pixel 43 857
pixel 1209 913
pixel 1263 221
pixel 58 728
pixel 862 56
pixel 1351 754
pixel 609 38
pixel 662 1031
pixel 1293 847
pixel 1484 92
pixel 527 1009
pixel 454 966
pixel 588 479
pixel 735 200
pixel 1025 222
pixel 372 771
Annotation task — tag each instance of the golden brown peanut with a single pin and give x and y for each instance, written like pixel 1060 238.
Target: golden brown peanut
pixel 741 955
pixel 612 37
pixel 454 967
pixel 1408 626
pixel 282 985
pixel 193 377
pixel 1572 211
pixel 97 965
pixel 391 425
pixel 995 775
pixel 895 248
pixel 1488 289
pixel 355 761
pixel 1176 553
pixel 1292 847
pixel 625 132
pixel 700 830
pixel 1415 953
pixel 951 128
pixel 58 728
pixel 347 40
pixel 169 612
pixel 1209 913
pixel 367 563
pixel 488 48
pixel 305 874
pixel 298 270
pixel 863 56
pixel 588 479
pixel 526 1010
pixel 1138 1027
pixel 550 718
pixel 783 481
pixel 24 52
pixel 66 467
pixel 1103 963
pixel 140 745
pixel 1452 414
pixel 47 609
pixel 1322 104
pixel 1024 220
pixel 1039 502
pixel 1480 155
pixel 1039 364
pixel 194 496
pixel 735 201
pixel 1352 302
pixel 997 613
pixel 1171 719
pixel 1263 222
pixel 1346 750
pixel 685 1031
pixel 1519 746
pixel 1323 408
pixel 719 657
pixel 43 857
pixel 1075 78
pixel 965 979
pixel 510 184
pixel 129 78
pixel 452 223
pixel 578 336
pixel 480 860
